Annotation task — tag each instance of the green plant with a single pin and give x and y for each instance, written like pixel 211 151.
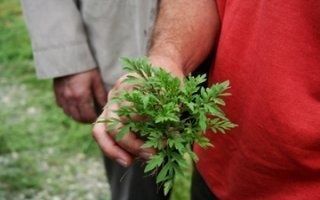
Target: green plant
pixel 173 115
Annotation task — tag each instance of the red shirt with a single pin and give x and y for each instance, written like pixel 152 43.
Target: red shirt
pixel 270 52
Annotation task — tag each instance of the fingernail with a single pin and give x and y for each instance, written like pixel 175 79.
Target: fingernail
pixel 145 155
pixel 122 162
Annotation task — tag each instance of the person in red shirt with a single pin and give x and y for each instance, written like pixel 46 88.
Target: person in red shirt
pixel 270 52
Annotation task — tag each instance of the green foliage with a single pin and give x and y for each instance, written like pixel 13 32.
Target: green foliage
pixel 14 41
pixel 175 114
pixel 21 173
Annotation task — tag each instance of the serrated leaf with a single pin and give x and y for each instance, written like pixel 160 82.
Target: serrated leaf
pixel 178 157
pixel 145 101
pixel 162 176
pixel 167 187
pixel 149 144
pixel 219 101
pixel 202 121
pixel 154 162
pixel 191 106
pixel 179 146
pixel 132 80
pixel 203 142
pixel 193 156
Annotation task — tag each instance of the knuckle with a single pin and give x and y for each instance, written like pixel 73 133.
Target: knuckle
pixel 67 95
pixel 130 146
pixel 77 96
pixel 94 133
pixel 74 95
pixel 118 82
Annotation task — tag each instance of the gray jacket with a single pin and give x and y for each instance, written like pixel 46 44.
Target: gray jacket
pixel 72 36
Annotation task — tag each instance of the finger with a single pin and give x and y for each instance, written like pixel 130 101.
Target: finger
pixel 109 147
pixel 78 104
pixel 65 106
pixel 62 102
pixel 58 93
pixel 85 105
pixel 73 112
pixel 133 144
pixel 99 92
pixel 69 104
pixel 130 142
pixel 87 112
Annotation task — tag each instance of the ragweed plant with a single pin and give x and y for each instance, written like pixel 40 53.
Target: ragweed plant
pixel 173 115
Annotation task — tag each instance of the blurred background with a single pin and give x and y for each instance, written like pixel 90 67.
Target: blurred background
pixel 43 154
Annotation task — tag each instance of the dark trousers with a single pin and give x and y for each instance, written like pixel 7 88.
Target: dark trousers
pixel 199 189
pixel 132 183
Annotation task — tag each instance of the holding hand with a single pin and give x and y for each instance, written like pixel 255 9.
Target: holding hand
pixel 129 147
pixel 77 95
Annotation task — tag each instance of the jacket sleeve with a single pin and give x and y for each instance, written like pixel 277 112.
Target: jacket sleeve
pixel 59 41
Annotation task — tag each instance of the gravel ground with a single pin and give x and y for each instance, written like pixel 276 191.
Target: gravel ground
pixel 33 162
pixel 69 178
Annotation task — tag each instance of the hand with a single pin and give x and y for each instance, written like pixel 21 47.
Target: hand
pixel 77 95
pixel 129 147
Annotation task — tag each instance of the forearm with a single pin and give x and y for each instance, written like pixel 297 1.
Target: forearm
pixel 184 33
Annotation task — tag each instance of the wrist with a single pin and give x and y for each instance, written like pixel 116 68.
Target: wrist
pixel 168 63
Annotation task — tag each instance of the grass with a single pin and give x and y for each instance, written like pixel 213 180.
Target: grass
pixel 36 139
pixel 43 154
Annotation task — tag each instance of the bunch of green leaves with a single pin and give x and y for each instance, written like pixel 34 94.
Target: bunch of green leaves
pixel 173 115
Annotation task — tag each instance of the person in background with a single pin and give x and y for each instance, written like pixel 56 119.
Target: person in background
pixel 77 43
pixel 269 50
